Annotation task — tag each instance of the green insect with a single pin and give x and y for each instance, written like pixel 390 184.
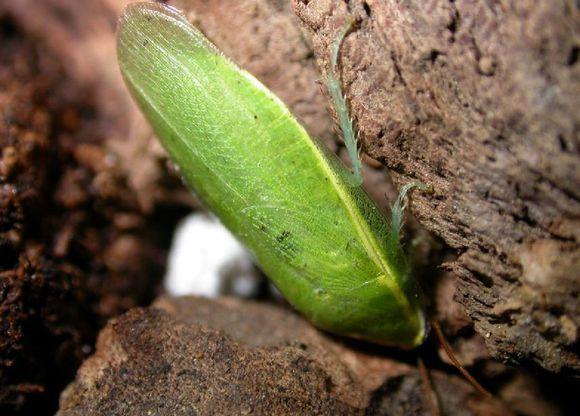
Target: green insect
pixel 294 204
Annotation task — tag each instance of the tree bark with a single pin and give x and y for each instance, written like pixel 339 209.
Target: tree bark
pixel 479 100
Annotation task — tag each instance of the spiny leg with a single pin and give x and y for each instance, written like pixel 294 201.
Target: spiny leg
pixel 338 99
pixel 349 135
pixel 398 208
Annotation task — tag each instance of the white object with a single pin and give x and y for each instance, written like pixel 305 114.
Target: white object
pixel 206 260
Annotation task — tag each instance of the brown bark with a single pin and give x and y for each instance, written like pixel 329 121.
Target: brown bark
pixel 480 100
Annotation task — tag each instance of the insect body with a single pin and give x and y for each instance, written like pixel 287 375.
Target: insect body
pixel 316 234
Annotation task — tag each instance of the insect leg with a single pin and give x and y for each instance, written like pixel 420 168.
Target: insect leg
pixel 400 204
pixel 338 99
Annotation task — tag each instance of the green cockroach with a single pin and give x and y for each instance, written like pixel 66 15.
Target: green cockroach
pixel 294 204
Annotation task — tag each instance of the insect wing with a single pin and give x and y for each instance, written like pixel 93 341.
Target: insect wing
pixel 322 241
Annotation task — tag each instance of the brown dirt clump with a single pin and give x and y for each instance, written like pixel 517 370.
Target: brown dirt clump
pixel 197 356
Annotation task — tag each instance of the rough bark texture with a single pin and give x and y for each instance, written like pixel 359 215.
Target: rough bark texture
pixel 480 100
pixel 195 356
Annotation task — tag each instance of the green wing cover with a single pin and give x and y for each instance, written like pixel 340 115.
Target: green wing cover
pixel 323 242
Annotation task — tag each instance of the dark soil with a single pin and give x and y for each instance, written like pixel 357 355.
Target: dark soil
pixel 75 246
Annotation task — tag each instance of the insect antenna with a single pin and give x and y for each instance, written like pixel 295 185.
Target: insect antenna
pixel 449 352
pixel 397 212
pixel 429 390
